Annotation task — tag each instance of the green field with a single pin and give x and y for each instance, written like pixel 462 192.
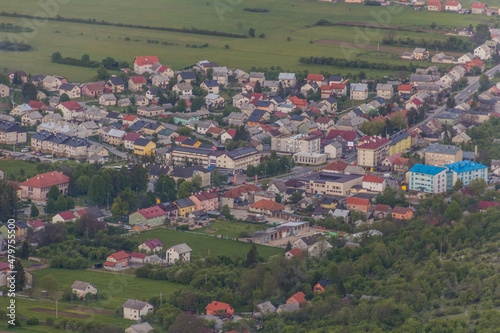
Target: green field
pixel 293 19
pixel 231 229
pixel 13 168
pixel 116 287
pixel 203 245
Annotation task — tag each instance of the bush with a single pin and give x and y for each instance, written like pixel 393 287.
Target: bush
pixel 49 321
pixel 243 234
pixel 32 321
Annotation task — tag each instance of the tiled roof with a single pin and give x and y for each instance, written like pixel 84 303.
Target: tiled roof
pixel 315 77
pixel 217 306
pixel 204 196
pixel 67 215
pixel 357 201
pixel 151 212
pixel 336 166
pixel 267 205
pixel 71 105
pixel 141 61
pixel 400 210
pixel 238 191
pixel 138 79
pixel 372 142
pixel 373 179
pixel 46 180
pixel 347 135
pixel 382 208
pixel 299 297
pixel 120 255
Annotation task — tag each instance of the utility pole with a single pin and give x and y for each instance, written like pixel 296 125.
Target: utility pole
pixel 161 297
pixel 57 310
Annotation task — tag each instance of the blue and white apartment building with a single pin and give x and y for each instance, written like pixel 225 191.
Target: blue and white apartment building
pixel 434 179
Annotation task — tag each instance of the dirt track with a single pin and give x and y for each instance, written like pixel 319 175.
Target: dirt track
pixel 92 310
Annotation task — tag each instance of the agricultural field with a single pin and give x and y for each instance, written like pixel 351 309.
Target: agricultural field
pixel 116 287
pixel 288 28
pixel 203 245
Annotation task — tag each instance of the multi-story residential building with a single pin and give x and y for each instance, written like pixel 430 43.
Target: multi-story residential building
pixel 205 201
pixel 144 64
pixel 238 159
pixel 359 91
pixel 330 183
pixel 299 143
pixel 11 133
pixel 372 150
pixel 38 187
pixel 400 142
pixel 440 155
pixel 466 171
pixel 428 178
pixel 152 216
pixel 385 91
pixel 59 144
pixel 188 155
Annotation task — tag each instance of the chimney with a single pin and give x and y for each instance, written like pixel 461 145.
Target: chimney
pixel 475 151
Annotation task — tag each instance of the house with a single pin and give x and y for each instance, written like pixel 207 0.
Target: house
pixel 4 91
pixel 219 309
pixel 81 289
pixel 401 164
pixel 265 207
pixel 479 8
pixel 107 100
pixel 51 83
pixel 144 64
pixel 382 211
pixel 134 309
pixel 205 201
pixel 36 225
pixel 71 90
pixel 435 5
pixel 484 205
pixel 214 101
pixel 115 84
pixel 374 183
pixel 495 167
pixel 420 54
pixel 287 80
pixel 440 155
pixel 161 81
pixel 186 206
pixel 452 6
pixel 151 245
pixel 116 261
pixel 359 91
pixel 299 298
pixel 404 89
pixel 144 147
pixel 265 308
pixel 316 78
pixel 136 83
pixel 358 204
pixel 372 150
pixel 66 216
pixel 465 58
pixel 94 89
pixel 333 150
pixel 212 86
pixel 183 88
pixel 187 173
pixel 70 109
pixel 483 52
pixel 311 87
pixel 31 118
pixel 139 328
pixel 292 306
pixel 321 285
pixel 257 76
pixel 38 187
pixel 152 216
pixel 385 91
pixel 181 252
pixel 187 77
pixel 295 253
pixel 238 195
pixel 402 213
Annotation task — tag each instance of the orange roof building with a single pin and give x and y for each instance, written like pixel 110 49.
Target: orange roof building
pixel 37 188
pixel 219 309
pixel 299 297
pixel 265 206
pixel 358 204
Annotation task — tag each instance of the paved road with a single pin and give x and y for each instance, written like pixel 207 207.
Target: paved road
pixel 461 95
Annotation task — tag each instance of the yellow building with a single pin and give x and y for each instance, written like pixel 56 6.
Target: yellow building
pixel 143 147
pixel 400 142
pixel 186 206
pixel 191 143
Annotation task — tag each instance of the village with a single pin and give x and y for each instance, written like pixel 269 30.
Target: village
pixel 287 155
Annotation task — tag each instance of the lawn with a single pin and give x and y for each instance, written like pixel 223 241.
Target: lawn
pixel 231 229
pixel 44 309
pixel 15 169
pixel 117 288
pixel 204 245
pixel 285 20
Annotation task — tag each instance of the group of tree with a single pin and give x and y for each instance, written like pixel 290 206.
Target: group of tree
pixel 84 61
pixel 271 165
pixel 452 43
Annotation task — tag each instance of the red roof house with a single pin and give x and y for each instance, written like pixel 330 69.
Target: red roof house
pixel 38 187
pixel 298 102
pixel 358 204
pixel 265 206
pixel 484 205
pixel 142 61
pixel 336 167
pixel 402 213
pixel 299 297
pixel 66 216
pixel 219 309
pixel 36 105
pixel 295 253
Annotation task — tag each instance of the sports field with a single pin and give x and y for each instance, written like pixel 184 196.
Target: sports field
pixel 288 27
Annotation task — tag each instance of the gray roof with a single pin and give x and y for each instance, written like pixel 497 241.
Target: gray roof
pixel 289 307
pixel 286 76
pixel 135 304
pixel 281 186
pixel 181 248
pixel 142 328
pixel 186 202
pixel 442 149
pixel 266 307
pixel 79 285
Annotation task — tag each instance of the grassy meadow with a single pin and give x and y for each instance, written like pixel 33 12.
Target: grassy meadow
pixel 203 245
pixel 285 19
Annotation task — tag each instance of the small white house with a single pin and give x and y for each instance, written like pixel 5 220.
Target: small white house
pixel 483 52
pixel 81 289
pixel 134 309
pixel 107 100
pixel 180 252
pixel 139 328
pixel 374 183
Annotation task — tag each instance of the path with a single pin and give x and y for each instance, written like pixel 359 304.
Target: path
pixel 61 313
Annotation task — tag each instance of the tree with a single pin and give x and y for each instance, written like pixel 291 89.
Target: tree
pixel 453 212
pixel 477 186
pixel 181 106
pixel 64 98
pixel 53 192
pixel 251 32
pixel 258 87
pixel 398 121
pixel 29 92
pixel 288 246
pixel 102 74
pixel 278 198
pixel 484 82
pixel 197 103
pixel 97 190
pixel 48 283
pixel 450 102
pixel 295 197
pixel 226 212
pixel 185 190
pixel 186 323
pixel 61 203
pixel 51 206
pixel 218 178
pixel 184 130
pixel 119 208
pixel 20 275
pixel 56 57
pixel 34 211
pixel 458 185
pixel 252 256
pixel 482 34
pixel 25 250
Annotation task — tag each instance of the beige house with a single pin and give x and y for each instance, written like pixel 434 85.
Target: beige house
pixel 38 187
pixel 72 90
pixel 440 155
pixel 107 100
pixel 385 91
pixel 153 216
pixel 302 143
pixel 180 252
pixel 11 133
pixel 4 90
pixel 183 88
pixel 238 159
pixel 139 328
pixel 81 289
pixel 330 183
pixel 134 309
pixel 359 91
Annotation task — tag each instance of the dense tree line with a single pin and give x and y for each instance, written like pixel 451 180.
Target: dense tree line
pixel 340 62
pixel 191 30
pixel 9 27
pixel 271 165
pixel 11 46
pixel 452 43
pixel 84 61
